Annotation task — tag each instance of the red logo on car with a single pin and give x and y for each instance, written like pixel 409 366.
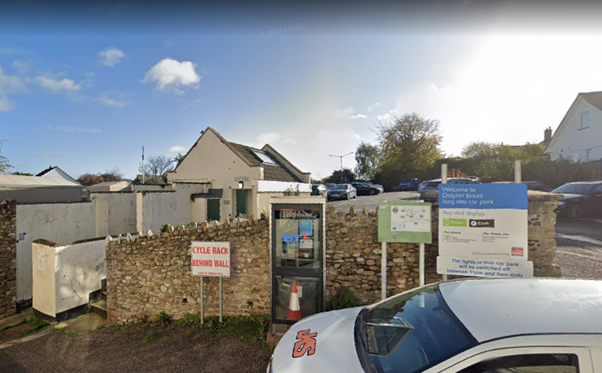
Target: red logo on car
pixel 306 343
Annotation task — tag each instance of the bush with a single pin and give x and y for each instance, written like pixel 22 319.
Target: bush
pixel 345 298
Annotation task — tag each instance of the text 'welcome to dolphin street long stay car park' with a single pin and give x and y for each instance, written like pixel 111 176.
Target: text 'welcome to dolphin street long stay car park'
pixel 466 326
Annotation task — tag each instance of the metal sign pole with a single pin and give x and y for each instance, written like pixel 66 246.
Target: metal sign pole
pixel 221 299
pixel 383 270
pixel 517 172
pixel 202 303
pixel 444 181
pixel 422 274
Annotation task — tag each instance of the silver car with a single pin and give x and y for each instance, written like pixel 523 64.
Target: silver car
pixel 465 326
pixel 341 191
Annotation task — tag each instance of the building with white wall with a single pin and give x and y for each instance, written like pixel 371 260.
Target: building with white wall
pixel 241 178
pixel 578 138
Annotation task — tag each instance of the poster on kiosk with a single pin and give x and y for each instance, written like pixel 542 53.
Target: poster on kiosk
pixel 297 257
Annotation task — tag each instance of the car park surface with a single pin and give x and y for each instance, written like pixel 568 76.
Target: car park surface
pixel 468 326
pixel 580 199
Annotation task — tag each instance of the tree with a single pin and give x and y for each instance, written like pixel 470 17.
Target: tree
pixel 18 173
pixel 179 158
pixel 92 179
pixel 340 177
pixel 409 146
pixel 366 157
pixel 155 167
pixel 4 165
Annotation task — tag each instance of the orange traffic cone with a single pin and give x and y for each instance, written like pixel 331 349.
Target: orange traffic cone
pixel 294 311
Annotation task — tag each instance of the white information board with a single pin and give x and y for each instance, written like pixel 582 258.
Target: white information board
pixel 210 259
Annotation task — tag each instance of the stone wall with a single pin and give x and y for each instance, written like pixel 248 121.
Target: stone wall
pixel 8 258
pixel 149 274
pixel 152 273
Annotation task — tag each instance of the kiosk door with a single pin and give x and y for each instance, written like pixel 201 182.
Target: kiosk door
pixel 297 261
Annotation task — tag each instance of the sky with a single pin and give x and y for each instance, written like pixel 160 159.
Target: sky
pixel 85 85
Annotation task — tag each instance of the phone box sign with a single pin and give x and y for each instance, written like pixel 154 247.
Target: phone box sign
pixel 210 259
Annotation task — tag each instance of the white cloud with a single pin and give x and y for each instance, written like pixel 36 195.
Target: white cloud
pixel 371 108
pixel 113 99
pixel 110 56
pixel 172 76
pixel 55 85
pixel 386 116
pixel 348 113
pixel 274 139
pixel 9 84
pixel 177 149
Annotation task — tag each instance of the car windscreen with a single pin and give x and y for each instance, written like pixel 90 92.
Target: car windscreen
pixel 432 184
pixel 413 331
pixel 574 189
pixel 339 187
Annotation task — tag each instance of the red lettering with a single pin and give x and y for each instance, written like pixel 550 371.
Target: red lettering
pixel 202 263
pixel 201 250
pixel 220 250
pixel 221 263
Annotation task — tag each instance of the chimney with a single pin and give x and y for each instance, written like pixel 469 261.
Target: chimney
pixel 547 134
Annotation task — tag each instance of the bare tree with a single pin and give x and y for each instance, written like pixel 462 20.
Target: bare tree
pixel 155 167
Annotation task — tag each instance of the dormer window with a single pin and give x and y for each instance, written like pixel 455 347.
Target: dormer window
pixel 585 117
pixel 265 159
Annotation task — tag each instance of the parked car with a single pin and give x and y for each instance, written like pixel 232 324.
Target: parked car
pixel 580 199
pixel 319 190
pixel 423 183
pixel 341 191
pixel 463 326
pixel 365 189
pixel 409 184
pixel 531 185
pixel 430 191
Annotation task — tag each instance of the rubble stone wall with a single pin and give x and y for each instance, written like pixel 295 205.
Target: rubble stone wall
pixel 8 258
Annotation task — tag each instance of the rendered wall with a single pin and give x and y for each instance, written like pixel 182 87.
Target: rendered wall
pixel 115 213
pixel 59 222
pixel 65 275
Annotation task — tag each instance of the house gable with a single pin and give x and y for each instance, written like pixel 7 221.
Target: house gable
pixel 579 136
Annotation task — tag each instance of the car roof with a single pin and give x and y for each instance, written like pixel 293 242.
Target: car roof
pixel 499 308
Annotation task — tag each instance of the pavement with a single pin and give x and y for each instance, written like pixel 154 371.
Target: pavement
pixel 77 326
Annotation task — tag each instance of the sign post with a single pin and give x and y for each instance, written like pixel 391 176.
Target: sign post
pixel 211 259
pixel 483 230
pixel 408 222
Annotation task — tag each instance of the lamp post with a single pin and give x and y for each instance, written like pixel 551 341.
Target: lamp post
pixel 341 157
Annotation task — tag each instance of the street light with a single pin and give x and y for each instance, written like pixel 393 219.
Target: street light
pixel 341 156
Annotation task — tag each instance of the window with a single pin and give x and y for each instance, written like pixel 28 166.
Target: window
pixel 536 363
pixel 585 120
pixel 265 159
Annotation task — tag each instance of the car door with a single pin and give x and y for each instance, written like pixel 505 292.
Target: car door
pixel 597 205
pixel 536 359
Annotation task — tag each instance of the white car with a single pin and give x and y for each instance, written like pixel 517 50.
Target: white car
pixel 469 326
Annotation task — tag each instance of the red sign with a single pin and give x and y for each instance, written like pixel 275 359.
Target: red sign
pixel 210 259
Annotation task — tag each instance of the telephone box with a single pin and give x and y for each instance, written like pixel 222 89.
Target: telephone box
pixel 297 257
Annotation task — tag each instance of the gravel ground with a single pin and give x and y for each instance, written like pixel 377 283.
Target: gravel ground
pixel 172 350
pixel 579 260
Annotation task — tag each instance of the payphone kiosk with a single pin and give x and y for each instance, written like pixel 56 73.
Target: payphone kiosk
pixel 297 257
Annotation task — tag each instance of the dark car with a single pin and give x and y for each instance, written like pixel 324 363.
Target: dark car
pixel 531 185
pixel 409 184
pixel 319 190
pixel 580 199
pixel 430 190
pixel 365 189
pixel 341 191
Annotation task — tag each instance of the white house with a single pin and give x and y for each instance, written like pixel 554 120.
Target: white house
pixel 578 138
pixel 241 178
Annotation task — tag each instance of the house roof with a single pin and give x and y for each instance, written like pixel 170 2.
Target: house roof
pixel 594 98
pixel 18 181
pixel 57 172
pixel 280 170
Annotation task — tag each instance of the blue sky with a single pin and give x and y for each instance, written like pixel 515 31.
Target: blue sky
pixel 85 86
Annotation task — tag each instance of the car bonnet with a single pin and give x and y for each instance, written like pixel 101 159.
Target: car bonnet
pixel 331 334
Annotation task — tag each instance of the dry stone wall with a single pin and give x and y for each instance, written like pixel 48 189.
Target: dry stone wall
pixel 8 258
pixel 149 274
pixel 152 273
